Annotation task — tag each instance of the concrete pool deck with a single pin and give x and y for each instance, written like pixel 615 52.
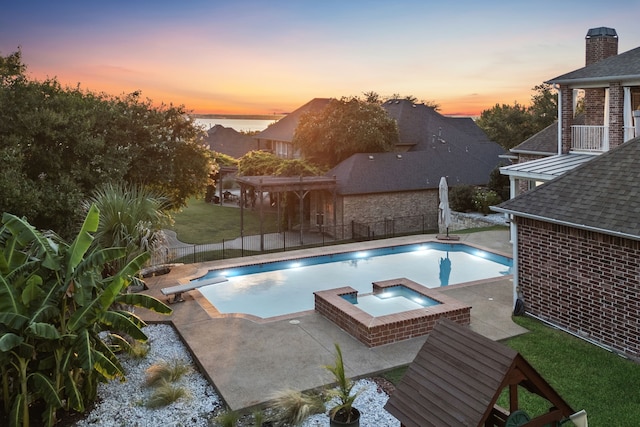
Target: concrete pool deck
pixel 248 359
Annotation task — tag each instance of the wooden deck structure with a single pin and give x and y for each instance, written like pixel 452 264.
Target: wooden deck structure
pixel 300 186
pixel 457 377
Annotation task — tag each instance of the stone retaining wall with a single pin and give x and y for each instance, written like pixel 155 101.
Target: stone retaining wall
pixel 464 221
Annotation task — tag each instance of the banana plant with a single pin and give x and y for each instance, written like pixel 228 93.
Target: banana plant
pixel 54 303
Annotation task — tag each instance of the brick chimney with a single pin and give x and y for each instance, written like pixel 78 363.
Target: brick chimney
pixel 601 43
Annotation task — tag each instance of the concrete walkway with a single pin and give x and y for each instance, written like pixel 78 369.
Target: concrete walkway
pixel 248 359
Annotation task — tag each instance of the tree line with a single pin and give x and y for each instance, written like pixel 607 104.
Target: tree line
pixel 60 144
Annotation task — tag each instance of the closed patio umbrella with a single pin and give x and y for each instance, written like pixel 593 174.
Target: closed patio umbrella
pixel 445 211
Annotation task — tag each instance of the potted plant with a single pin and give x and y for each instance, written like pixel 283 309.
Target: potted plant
pixel 343 413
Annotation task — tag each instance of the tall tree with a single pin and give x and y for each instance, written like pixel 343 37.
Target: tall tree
pixel 509 125
pixel 58 144
pixel 344 127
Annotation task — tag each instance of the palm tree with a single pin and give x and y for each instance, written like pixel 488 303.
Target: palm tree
pixel 131 217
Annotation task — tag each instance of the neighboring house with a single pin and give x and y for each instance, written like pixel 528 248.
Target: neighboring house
pixel 383 187
pixel 577 249
pixel 420 127
pixel 278 138
pixel 229 141
pixel 388 186
pixel 611 86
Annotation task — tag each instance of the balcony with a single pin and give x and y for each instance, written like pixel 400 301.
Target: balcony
pixel 595 139
pixel 589 138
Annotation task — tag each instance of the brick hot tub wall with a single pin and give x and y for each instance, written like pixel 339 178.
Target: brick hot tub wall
pixel 375 331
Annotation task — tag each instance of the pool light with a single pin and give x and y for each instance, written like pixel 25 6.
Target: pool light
pixel 361 254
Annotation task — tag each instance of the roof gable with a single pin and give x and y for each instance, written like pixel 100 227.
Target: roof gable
pixel 544 142
pixel 284 129
pixel 457 377
pixel 419 126
pixel 229 141
pixel 601 195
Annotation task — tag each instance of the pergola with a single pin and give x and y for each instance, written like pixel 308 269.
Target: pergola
pixel 300 186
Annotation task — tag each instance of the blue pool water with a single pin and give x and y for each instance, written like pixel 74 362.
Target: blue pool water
pixel 284 287
pixel 393 300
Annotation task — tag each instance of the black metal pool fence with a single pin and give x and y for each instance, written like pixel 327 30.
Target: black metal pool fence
pixel 313 236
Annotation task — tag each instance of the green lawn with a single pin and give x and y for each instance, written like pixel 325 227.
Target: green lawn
pixel 586 376
pixel 201 222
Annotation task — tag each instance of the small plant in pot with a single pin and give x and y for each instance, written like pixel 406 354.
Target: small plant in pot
pixel 343 414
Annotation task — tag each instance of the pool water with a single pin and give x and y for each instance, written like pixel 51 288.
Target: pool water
pixel 274 289
pixel 394 300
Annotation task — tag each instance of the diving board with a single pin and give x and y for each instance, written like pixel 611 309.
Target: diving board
pixel 177 291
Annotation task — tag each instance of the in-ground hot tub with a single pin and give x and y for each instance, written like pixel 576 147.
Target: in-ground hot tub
pixel 340 306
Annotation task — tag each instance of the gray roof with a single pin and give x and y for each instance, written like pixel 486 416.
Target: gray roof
pixel 601 195
pixel 229 141
pixel 544 142
pixel 283 129
pixel 623 67
pixel 417 170
pixel 419 126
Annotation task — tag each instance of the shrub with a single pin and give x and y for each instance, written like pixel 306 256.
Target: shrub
pixel 499 183
pixel 166 394
pixel 293 407
pixel 461 198
pixel 485 198
pixel 228 419
pixel 164 371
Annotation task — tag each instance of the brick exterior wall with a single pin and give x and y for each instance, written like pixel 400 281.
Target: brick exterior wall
pixel 377 207
pixel 616 115
pixel 586 282
pixel 369 208
pixel 567 117
pixel 594 106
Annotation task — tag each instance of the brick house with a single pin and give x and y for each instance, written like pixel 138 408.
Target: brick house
pixel 577 249
pixel 610 85
pixel 384 187
pixel 576 233
pixel 400 190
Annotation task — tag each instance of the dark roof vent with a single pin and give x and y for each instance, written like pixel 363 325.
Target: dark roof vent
pixel 602 32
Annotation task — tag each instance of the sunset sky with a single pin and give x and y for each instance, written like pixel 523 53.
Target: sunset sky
pixel 264 57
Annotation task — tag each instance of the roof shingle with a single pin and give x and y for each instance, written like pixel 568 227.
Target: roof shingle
pixel 602 194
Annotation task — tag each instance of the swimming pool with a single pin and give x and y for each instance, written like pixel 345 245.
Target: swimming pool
pixel 285 287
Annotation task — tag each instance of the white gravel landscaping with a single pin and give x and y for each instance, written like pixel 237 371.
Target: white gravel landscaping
pixel 124 403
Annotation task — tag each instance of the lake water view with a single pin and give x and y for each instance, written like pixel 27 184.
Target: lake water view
pixel 240 125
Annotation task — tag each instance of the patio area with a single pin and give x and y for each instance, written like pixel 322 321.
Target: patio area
pixel 248 358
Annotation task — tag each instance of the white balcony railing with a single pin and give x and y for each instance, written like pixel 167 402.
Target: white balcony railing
pixel 589 138
pixel 629 133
